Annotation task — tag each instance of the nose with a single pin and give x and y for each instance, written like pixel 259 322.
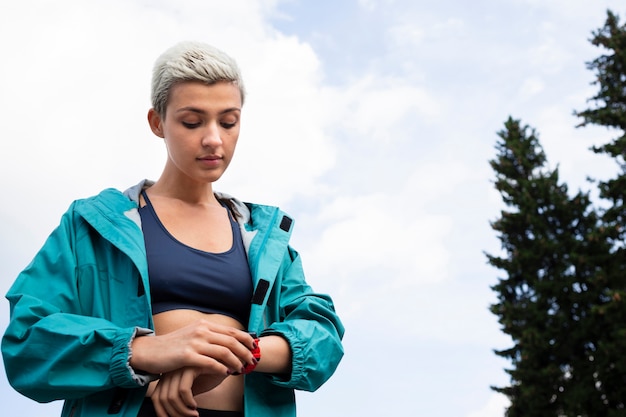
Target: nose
pixel 211 136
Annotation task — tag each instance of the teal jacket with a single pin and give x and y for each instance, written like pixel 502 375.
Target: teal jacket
pixel 77 307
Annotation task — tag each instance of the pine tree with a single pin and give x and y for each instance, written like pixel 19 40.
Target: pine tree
pixel 551 248
pixel 610 111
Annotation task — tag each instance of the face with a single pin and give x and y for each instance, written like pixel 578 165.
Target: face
pixel 200 129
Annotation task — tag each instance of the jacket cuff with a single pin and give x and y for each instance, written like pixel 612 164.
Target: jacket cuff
pixel 122 374
pixel 297 360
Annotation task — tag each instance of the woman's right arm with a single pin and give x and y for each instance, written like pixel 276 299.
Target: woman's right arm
pixel 50 349
pixel 58 345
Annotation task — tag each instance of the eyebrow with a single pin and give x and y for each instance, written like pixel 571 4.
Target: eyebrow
pixel 201 111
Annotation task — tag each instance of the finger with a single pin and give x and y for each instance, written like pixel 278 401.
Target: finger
pixel 186 393
pixel 223 348
pixel 218 359
pixel 171 400
pixel 158 408
pixel 223 335
pixel 157 397
pixel 164 394
pixel 179 395
pixel 162 397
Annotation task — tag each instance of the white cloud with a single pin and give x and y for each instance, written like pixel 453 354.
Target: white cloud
pixel 571 9
pixel 549 57
pixel 377 232
pixel 372 5
pixel 496 407
pixel 414 29
pixel 407 33
pixel 531 87
pixel 375 107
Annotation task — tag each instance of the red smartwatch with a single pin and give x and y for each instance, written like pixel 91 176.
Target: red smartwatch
pixel 256 352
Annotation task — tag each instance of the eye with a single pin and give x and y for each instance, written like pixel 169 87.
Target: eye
pixel 229 122
pixel 190 125
pixel 228 125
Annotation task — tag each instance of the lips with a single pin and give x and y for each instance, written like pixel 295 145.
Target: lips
pixel 210 161
pixel 210 158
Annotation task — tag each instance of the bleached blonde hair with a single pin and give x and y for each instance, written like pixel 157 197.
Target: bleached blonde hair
pixel 191 61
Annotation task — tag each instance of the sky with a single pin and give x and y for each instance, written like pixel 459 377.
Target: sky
pixel 370 121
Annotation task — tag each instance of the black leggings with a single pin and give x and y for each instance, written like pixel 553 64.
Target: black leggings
pixel 147 410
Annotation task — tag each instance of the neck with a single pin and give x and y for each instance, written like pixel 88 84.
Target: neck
pixel 186 191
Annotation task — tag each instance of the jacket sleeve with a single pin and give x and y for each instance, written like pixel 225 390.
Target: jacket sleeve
pixel 51 350
pixel 309 323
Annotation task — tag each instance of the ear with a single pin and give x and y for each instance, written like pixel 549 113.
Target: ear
pixel 155 122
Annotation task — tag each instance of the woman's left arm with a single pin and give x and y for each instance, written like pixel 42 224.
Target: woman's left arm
pixel 303 348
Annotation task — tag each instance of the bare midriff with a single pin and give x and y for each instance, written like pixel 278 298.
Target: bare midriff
pixel 229 394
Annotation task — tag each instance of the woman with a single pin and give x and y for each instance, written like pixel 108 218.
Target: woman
pixel 141 303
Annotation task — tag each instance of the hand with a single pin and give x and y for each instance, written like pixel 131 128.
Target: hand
pixel 173 396
pixel 214 348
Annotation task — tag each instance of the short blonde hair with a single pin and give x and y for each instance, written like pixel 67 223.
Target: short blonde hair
pixel 191 61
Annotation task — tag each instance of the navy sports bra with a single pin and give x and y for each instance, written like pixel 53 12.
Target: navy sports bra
pixel 182 277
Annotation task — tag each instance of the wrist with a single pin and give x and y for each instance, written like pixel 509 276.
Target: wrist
pixel 277 355
pixel 135 349
pixel 256 352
